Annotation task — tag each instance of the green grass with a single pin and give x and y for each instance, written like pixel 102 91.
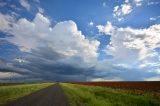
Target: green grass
pixel 82 95
pixel 12 92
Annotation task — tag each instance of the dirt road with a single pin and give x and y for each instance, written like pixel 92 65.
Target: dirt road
pixel 50 96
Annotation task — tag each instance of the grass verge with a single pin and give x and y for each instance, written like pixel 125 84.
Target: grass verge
pixel 82 95
pixel 10 93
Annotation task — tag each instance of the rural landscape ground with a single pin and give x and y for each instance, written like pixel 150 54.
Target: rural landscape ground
pixel 80 94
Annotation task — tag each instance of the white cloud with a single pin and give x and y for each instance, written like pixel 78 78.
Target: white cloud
pixel 20 60
pixel 91 23
pixel 8 75
pixel 138 2
pixel 108 28
pixel 64 37
pixel 125 8
pixel 25 4
pixel 120 11
pixel 126 1
pixel 153 3
pixel 105 79
pixel 156 78
pixel 131 46
pixel 6 22
pixel 116 8
pixel 152 64
pixel 40 10
pixel 125 66
pixel 154 18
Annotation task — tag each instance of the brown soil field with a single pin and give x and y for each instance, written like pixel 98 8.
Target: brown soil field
pixel 138 86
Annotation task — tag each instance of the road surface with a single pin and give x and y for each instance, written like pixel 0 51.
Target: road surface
pixel 50 96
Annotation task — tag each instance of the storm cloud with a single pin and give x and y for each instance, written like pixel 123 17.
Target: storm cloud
pixel 43 49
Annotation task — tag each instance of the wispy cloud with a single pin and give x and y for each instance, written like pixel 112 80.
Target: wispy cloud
pixel 25 4
pixel 153 3
pixel 154 18
pixel 125 8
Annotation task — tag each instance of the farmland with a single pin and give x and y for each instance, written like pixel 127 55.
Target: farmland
pixel 83 95
pixel 153 86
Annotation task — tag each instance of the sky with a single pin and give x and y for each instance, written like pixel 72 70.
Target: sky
pixel 79 40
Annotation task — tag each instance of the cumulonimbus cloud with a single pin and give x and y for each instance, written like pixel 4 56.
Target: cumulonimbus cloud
pixel 64 37
pixel 52 51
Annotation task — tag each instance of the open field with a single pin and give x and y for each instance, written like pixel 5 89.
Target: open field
pixel 9 84
pixel 12 92
pixel 82 95
pixel 142 86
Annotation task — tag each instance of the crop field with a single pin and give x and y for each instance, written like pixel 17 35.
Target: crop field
pixel 10 92
pixel 139 86
pixel 80 94
pixel 84 95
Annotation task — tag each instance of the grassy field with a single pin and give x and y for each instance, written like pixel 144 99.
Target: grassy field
pixel 12 92
pixel 82 95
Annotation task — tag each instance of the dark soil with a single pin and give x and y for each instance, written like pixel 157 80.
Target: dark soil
pixel 153 86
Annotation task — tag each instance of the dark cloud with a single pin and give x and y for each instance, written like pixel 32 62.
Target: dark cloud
pixel 47 53
pixel 44 64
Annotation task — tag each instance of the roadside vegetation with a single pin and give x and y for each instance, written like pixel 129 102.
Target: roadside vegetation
pixel 12 92
pixel 83 95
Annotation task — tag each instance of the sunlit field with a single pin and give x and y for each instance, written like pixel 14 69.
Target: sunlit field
pixel 83 95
